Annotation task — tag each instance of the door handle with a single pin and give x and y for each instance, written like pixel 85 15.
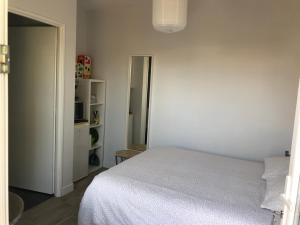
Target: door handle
pixel 4 59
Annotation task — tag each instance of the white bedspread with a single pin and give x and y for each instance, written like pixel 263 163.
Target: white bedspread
pixel 171 186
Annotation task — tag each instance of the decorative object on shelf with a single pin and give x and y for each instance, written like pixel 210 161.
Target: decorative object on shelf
pixel 96 118
pixel 83 67
pixel 169 16
pixel 94 159
pixel 87 71
pixel 79 70
pixel 94 136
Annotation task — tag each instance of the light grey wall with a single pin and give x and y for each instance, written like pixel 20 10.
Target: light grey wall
pixel 63 11
pixel 226 84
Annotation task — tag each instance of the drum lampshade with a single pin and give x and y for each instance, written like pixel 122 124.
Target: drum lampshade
pixel 169 16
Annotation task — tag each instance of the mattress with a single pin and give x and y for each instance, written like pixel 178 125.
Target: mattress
pixel 172 186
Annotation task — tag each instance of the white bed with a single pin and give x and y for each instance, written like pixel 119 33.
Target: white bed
pixel 171 186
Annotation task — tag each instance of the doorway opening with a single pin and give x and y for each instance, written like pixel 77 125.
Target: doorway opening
pixel 32 109
pixel 139 102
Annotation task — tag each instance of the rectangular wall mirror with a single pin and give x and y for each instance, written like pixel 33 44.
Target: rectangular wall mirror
pixel 138 115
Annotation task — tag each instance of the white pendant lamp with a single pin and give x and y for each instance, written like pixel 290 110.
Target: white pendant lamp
pixel 169 16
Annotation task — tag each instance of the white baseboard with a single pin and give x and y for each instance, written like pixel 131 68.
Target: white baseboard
pixel 67 189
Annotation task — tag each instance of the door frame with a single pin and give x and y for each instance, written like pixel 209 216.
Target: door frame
pixel 4 210
pixel 128 96
pixel 291 196
pixel 59 95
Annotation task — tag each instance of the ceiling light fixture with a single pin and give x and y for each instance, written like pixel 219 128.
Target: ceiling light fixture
pixel 169 16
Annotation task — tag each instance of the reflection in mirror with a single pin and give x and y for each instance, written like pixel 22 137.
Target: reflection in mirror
pixel 141 67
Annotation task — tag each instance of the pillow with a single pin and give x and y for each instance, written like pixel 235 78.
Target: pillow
pixel 276 166
pixel 273 200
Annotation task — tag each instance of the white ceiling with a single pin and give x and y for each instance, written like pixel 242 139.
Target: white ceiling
pixel 96 4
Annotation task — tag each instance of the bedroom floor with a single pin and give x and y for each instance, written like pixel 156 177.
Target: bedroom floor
pixel 58 211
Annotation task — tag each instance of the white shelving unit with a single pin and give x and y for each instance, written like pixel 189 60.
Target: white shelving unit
pixel 92 93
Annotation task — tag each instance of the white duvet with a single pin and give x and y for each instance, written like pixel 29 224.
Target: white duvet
pixel 170 186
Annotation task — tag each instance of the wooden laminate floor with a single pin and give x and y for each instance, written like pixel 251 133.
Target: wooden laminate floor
pixel 58 211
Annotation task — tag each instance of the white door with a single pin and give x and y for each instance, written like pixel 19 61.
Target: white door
pixel 3 122
pixel 292 193
pixel 32 107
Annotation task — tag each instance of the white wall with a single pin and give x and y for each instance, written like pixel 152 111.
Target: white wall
pixel 226 84
pixel 63 11
pixel 81 31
